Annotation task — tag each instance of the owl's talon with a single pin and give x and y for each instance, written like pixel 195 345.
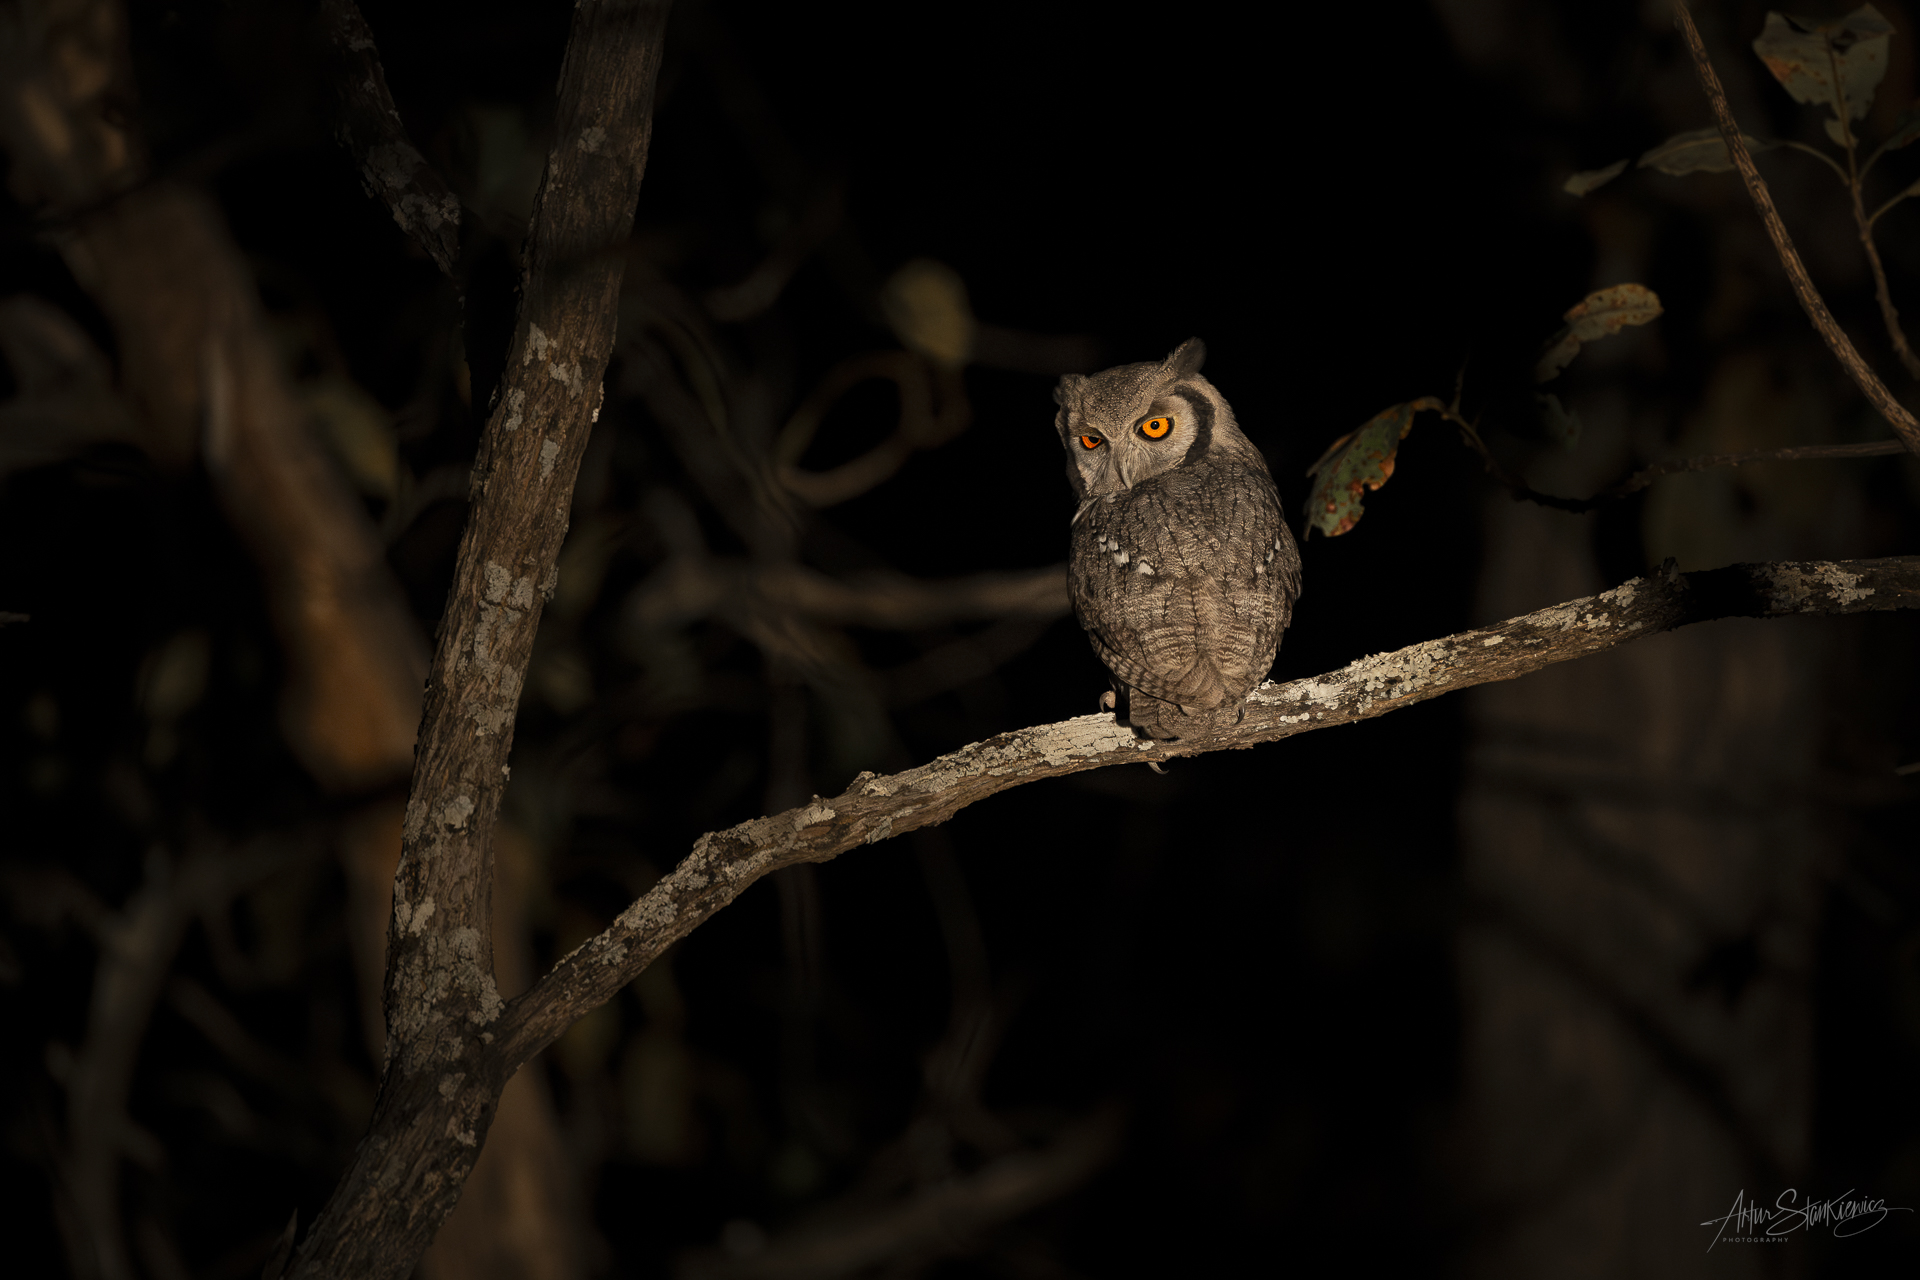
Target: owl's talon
pixel 1155 766
pixel 1108 701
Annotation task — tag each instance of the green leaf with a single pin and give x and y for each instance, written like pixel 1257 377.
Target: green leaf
pixel 1802 56
pixel 1599 314
pixel 1698 151
pixel 1906 129
pixel 1358 461
pixel 1590 179
pixel 1561 423
pixel 1836 131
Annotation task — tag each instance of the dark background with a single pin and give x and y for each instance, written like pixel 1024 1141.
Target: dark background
pixel 1253 954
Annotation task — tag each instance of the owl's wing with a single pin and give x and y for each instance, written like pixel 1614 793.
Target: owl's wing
pixel 1177 588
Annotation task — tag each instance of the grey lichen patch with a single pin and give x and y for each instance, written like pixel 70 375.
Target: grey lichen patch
pixel 650 912
pixel 455 812
pixel 491 715
pixel 516 409
pixel 1078 739
pixel 567 375
pixel 591 139
pixel 498 580
pixel 812 816
pixel 450 1084
pixel 442 984
pixel 413 923
pixel 464 1136
pixel 1386 676
pixel 1598 613
pixel 549 454
pixel 537 344
pixel 391 166
pixel 1795 586
pixel 422 210
pixel 493 709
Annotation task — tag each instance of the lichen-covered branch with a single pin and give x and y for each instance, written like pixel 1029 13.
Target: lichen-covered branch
pixel 444 1071
pixel 722 864
pixel 391 167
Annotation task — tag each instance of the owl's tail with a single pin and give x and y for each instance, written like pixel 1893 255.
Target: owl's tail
pixel 1156 718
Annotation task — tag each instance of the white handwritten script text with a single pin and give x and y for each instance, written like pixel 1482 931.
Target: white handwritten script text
pixel 1750 1222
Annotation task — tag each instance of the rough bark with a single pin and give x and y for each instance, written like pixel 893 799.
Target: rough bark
pixel 444 1075
pixel 391 167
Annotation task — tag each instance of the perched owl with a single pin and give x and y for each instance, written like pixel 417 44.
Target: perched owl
pixel 1183 571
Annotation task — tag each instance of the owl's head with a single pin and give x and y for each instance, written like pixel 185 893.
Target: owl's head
pixel 1129 424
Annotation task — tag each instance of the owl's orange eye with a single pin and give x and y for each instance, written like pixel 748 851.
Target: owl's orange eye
pixel 1091 442
pixel 1156 428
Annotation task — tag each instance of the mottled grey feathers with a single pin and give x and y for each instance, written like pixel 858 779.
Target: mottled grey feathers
pixel 1182 571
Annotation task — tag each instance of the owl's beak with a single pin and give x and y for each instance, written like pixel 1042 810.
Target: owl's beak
pixel 1122 465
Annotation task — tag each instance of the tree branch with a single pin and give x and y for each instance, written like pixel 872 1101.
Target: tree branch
pixel 391 167
pixel 693 587
pixel 1903 422
pixel 931 1223
pixel 722 864
pixel 1524 492
pixel 444 1071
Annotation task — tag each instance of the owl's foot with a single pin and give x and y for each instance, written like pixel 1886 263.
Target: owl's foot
pixel 1125 702
pixel 1108 701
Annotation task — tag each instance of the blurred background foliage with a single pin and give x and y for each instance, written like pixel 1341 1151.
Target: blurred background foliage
pixel 869 239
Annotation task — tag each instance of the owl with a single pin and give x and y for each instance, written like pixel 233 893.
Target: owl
pixel 1183 571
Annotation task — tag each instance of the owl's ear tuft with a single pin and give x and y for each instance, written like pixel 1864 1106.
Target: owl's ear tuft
pixel 1187 358
pixel 1067 389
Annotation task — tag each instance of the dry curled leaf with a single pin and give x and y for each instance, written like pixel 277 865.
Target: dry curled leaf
pixel 1803 57
pixel 1592 179
pixel 1358 461
pixel 1699 151
pixel 1599 314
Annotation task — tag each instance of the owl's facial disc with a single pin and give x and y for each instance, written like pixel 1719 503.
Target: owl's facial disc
pixel 1153 445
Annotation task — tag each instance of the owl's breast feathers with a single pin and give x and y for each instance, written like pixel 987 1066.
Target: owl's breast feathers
pixel 1185 582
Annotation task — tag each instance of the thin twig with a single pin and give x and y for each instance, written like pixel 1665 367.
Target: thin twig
pixel 1708 462
pixel 1819 155
pixel 1896 198
pixel 1640 479
pixel 1889 315
pixel 1903 422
